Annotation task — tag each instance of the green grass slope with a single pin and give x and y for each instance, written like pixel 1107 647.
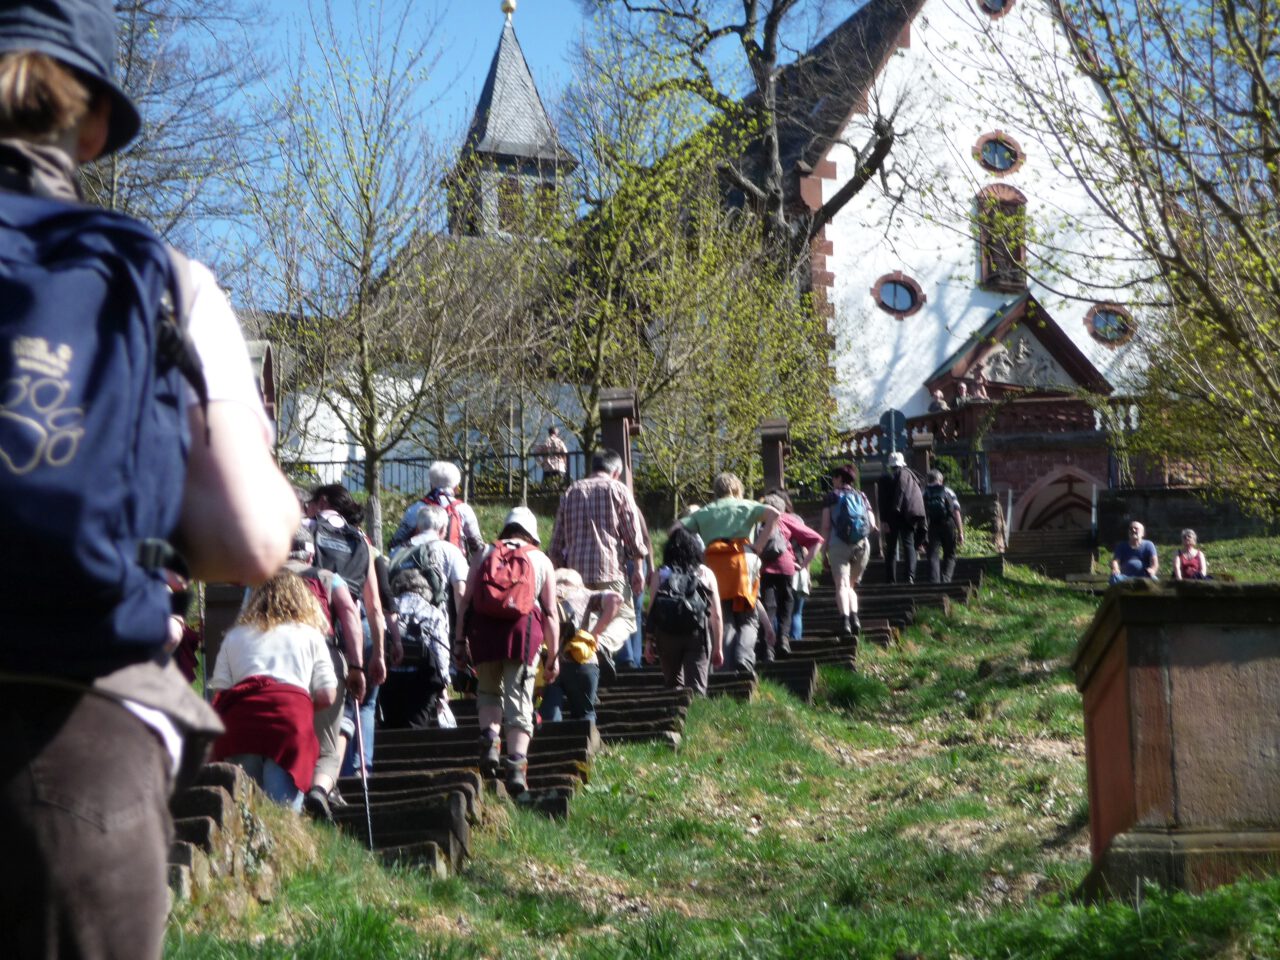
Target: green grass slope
pixel 931 805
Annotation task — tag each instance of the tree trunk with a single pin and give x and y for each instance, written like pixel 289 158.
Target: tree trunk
pixel 373 487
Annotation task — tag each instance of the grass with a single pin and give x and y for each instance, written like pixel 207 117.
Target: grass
pixel 932 805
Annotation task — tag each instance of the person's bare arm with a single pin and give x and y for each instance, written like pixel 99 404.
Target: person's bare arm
pixel 716 624
pixel 1177 565
pixel 348 618
pixel 238 510
pixel 376 668
pixel 550 624
pixel 610 605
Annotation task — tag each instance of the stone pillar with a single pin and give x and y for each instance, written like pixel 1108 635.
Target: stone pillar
pixel 619 422
pixel 775 444
pixel 1181 688
pixel 222 603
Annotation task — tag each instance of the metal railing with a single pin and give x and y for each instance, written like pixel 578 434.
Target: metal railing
pixel 484 475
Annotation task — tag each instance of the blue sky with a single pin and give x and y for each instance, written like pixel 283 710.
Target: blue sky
pixel 468 35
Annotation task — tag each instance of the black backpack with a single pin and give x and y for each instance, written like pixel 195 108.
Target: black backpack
pixel 428 562
pixel 935 505
pixel 681 605
pixel 775 546
pixel 343 550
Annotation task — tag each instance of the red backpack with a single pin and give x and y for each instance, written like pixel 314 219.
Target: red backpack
pixel 453 532
pixel 508 587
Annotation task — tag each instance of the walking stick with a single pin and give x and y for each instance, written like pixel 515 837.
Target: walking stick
pixel 364 774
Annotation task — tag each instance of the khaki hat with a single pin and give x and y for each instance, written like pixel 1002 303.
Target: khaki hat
pixel 523 518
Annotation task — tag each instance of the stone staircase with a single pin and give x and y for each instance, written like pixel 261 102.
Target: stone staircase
pixel 426 793
pixel 1055 553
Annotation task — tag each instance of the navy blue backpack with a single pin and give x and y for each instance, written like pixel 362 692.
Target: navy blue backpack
pixel 93 436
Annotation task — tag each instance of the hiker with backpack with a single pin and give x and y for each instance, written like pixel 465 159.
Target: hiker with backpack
pixel 463 528
pixel 342 547
pixel 847 523
pixel 584 616
pixel 132 438
pixel 508 614
pixel 792 545
pixel 416 692
pixel 439 561
pixel 726 526
pixel 902 518
pixel 599 530
pixel 946 527
pixel 685 628
pixel 345 640
pixel 272 674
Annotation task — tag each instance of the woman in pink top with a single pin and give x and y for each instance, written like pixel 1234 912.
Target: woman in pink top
pixel 798 543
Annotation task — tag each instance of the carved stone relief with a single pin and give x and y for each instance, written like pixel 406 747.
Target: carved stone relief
pixel 1022 360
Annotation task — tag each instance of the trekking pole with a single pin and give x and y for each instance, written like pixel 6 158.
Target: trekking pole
pixel 364 774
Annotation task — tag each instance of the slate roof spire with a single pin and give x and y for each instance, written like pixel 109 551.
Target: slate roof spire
pixel 510 121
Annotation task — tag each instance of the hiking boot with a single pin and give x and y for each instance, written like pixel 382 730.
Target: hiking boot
pixel 765 653
pixel 490 756
pixel 846 628
pixel 336 799
pixel 316 805
pixel 784 647
pixel 517 775
pixel 855 626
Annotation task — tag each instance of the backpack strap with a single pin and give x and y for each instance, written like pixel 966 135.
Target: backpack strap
pixel 174 344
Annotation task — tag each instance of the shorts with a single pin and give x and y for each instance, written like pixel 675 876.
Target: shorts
pixel 509 684
pixel 848 560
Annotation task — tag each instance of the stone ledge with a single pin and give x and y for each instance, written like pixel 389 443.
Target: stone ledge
pixel 1192 861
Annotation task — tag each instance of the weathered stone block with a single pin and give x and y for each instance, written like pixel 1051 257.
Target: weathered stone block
pixel 1181 690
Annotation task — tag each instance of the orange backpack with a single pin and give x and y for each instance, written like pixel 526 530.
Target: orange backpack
pixel 508 586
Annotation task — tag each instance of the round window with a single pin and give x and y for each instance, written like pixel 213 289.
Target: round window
pixel 1110 324
pixel 998 152
pixel 898 294
pixel 998 155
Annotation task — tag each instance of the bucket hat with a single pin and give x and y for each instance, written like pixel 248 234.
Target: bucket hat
pixel 82 35
pixel 896 459
pixel 523 518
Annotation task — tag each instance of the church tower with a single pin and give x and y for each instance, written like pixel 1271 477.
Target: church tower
pixel 510 167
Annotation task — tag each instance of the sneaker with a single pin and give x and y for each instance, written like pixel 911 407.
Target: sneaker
pixel 490 756
pixel 316 805
pixel 517 775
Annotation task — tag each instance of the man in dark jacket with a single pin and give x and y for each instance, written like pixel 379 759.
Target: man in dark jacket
pixel 901 516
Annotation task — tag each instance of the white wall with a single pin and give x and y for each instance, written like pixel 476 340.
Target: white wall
pixel 951 85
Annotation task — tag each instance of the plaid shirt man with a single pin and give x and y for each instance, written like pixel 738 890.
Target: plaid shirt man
pixel 598 528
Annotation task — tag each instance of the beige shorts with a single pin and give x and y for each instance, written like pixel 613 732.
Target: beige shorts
pixel 509 684
pixel 848 560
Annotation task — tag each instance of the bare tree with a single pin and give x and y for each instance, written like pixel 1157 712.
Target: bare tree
pixel 187 64
pixel 754 65
pixel 1181 154
pixel 386 314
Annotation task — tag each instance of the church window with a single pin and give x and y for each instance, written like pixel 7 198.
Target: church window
pixel 995 8
pixel 998 152
pixel 511 205
pixel 1110 323
pixel 1002 238
pixel 898 294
